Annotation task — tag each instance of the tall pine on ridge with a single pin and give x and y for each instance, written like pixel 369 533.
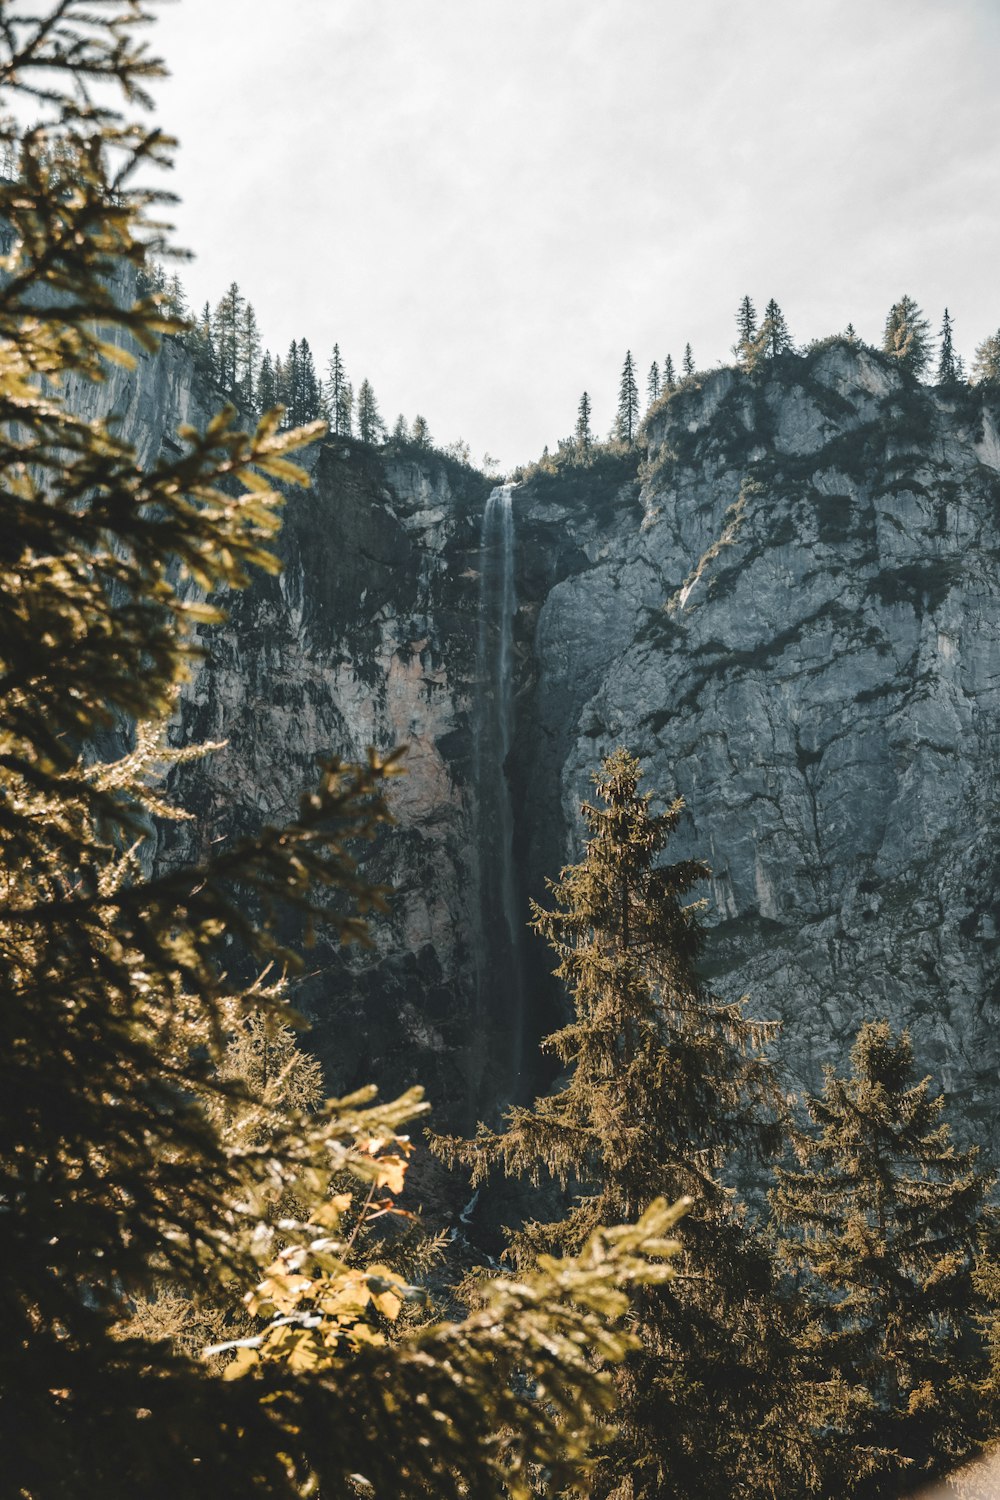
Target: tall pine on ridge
pixel 667 1083
pixel 627 419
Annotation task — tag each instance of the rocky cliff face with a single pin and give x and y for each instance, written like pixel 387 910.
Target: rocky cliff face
pixel 792 616
pixel 801 635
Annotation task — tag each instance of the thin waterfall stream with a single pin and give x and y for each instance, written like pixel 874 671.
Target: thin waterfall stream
pixel 501 981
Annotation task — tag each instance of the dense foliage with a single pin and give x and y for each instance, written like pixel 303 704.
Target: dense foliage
pixel 884 1218
pixel 666 1085
pixel 144 1155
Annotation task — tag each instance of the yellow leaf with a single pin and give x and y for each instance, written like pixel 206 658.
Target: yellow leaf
pixel 388 1304
pixel 391 1173
pixel 244 1360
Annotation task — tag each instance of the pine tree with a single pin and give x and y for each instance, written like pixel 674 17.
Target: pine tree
pixel 421 432
pixel 665 1083
pixel 113 1002
pixel 687 364
pixel 882 1220
pixel 227 323
pixel 176 302
pixel 947 370
pixel 746 326
pixel 582 432
pixel 267 384
pixel 248 348
pixel 653 384
pixel 371 428
pixel 289 383
pixel 669 378
pixel 627 420
pixel 346 410
pixel 986 364
pixel 400 431
pixel 850 334
pixel 335 390
pixel 202 344
pixel 907 336
pixel 307 400
pixel 774 336
pixel 281 386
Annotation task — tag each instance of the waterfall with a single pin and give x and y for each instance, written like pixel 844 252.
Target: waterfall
pixel 501 985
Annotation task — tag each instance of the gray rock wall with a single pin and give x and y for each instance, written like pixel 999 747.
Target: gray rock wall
pixel 792 616
pixel 803 639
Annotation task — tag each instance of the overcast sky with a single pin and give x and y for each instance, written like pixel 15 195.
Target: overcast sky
pixel 485 202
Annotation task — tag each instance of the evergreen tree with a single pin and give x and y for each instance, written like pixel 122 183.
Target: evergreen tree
pixel 227 324
pixel 336 384
pixel 203 347
pixel 653 384
pixel 947 370
pixel 665 1083
pixel 421 432
pixel 883 1219
pixel 669 378
pixel 267 384
pixel 582 432
pixel 248 349
pixel 114 1174
pixel 907 336
pixel 281 386
pixel 986 364
pixel 850 334
pixel 746 327
pixel 371 428
pixel 400 431
pixel 345 418
pixel 290 383
pixel 774 336
pixel 307 399
pixel 627 420
pixel 176 299
pixel 687 365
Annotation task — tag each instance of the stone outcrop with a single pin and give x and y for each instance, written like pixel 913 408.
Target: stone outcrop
pixel 802 637
pixel 791 614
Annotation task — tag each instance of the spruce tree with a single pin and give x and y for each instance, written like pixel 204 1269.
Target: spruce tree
pixel 850 334
pixel 227 322
pixel 774 336
pixel 336 383
pixel 669 378
pixel 290 384
pixel 665 1084
pixel 177 303
pixel 627 420
pixel 653 384
pixel 371 428
pixel 248 360
pixel 947 370
pixel 746 328
pixel 307 398
pixel 907 336
pixel 202 343
pixel 687 364
pixel 420 432
pixel 582 432
pixel 267 385
pixel 882 1220
pixel 400 431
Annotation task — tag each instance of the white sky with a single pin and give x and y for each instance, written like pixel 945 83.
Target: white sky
pixel 485 202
